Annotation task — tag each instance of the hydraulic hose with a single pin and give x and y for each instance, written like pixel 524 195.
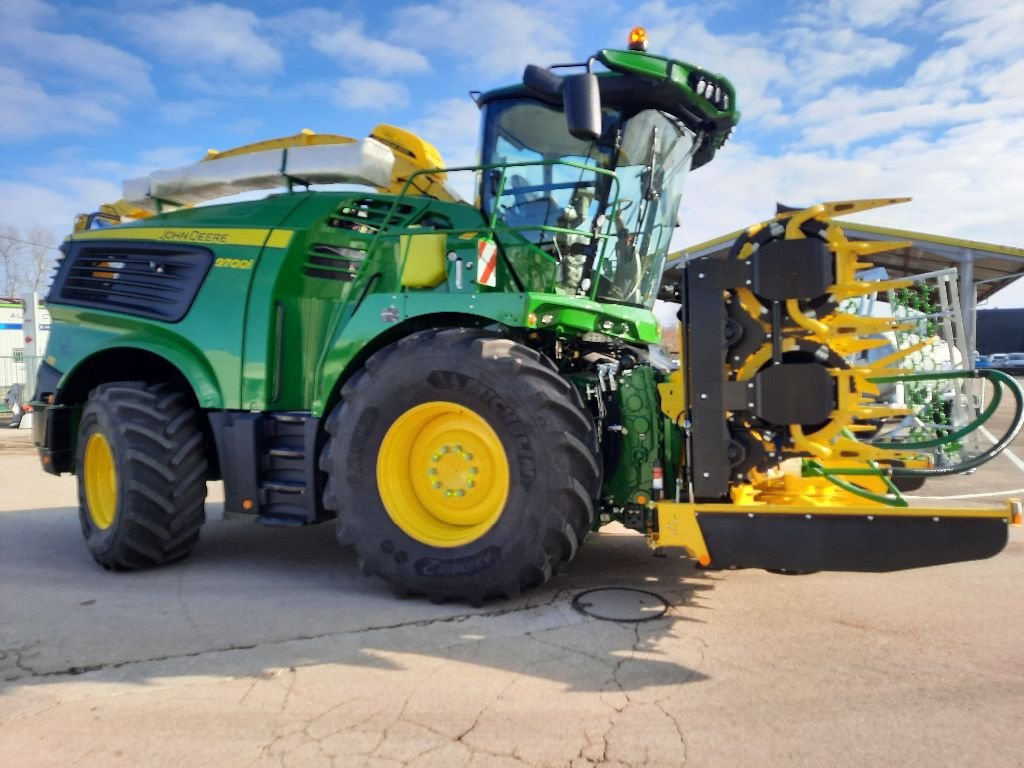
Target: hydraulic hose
pixel 999 380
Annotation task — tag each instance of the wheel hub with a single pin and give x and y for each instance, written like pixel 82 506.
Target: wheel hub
pixel 453 471
pixel 443 474
pixel 100 479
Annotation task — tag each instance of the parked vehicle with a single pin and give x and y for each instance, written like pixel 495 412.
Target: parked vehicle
pixel 1014 363
pixel 998 360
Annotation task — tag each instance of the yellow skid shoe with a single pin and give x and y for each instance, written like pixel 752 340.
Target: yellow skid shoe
pixel 804 537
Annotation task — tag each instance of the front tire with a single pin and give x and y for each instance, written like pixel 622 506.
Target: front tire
pixel 141 472
pixel 461 466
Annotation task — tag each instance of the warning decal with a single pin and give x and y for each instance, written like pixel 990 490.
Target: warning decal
pixel 486 263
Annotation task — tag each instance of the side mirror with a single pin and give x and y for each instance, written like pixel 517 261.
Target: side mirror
pixel 582 99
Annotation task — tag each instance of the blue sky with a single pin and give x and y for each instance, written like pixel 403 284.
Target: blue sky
pixel 867 98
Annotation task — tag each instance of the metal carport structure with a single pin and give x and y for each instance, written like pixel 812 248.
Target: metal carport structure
pixel 983 268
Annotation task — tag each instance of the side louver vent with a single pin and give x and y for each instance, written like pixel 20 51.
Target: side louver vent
pixel 370 215
pixel 334 262
pixel 148 281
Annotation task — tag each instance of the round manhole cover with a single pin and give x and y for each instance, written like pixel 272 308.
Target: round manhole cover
pixel 620 604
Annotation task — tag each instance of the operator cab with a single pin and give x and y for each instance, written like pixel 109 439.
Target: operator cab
pixel 604 209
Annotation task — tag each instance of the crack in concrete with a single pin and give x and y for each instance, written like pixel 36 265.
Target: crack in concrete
pixel 179 594
pixel 615 667
pixel 288 739
pixel 678 728
pixel 623 660
pixel 17 657
pixel 75 670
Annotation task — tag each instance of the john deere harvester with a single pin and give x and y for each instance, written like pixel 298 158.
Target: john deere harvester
pixel 468 389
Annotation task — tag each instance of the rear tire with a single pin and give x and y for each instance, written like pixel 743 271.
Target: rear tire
pixel 141 472
pixel 461 466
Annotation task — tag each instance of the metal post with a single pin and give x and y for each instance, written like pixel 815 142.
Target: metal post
pixel 968 303
pixel 30 326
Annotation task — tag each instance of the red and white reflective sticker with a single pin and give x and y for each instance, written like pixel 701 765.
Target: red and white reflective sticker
pixel 486 263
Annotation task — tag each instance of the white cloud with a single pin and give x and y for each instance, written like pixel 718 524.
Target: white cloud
pixel 51 195
pixel 210 35
pixel 163 157
pixel 958 181
pixel 879 13
pixel 848 53
pixel 60 82
pixel 26 13
pixel 955 83
pixel 355 49
pixel 215 83
pixel 751 61
pixel 986 29
pixel 185 112
pixel 493 39
pixel 30 111
pixel 107 72
pixel 453 126
pixel 369 93
pixel 92 77
pixel 863 14
pixel 1005 84
pixel 54 207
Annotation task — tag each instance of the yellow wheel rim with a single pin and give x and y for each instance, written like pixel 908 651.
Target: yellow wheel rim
pixel 100 478
pixel 443 474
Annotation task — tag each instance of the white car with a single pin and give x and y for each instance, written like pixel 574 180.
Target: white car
pixel 998 360
pixel 1014 363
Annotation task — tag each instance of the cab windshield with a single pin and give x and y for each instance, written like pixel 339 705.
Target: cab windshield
pixel 601 213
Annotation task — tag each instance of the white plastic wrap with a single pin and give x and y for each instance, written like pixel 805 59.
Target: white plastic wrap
pixel 366 162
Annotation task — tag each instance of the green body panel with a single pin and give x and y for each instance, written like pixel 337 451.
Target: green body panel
pixel 387 317
pixel 633 325
pixel 206 346
pixel 642 437
pixel 678 72
pixel 308 321
pixel 275 337
pixel 80 335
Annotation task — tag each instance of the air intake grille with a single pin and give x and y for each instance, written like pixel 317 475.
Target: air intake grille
pixel 148 281
pixel 370 215
pixel 335 262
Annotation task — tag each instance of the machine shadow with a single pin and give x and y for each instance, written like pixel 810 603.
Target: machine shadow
pixel 252 599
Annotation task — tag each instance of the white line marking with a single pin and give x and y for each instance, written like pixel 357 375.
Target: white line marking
pixel 1011 492
pixel 1007 453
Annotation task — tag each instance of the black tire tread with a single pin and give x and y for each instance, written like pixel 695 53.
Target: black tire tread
pixel 559 409
pixel 164 474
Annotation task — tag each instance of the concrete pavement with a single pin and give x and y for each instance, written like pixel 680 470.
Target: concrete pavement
pixel 266 647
